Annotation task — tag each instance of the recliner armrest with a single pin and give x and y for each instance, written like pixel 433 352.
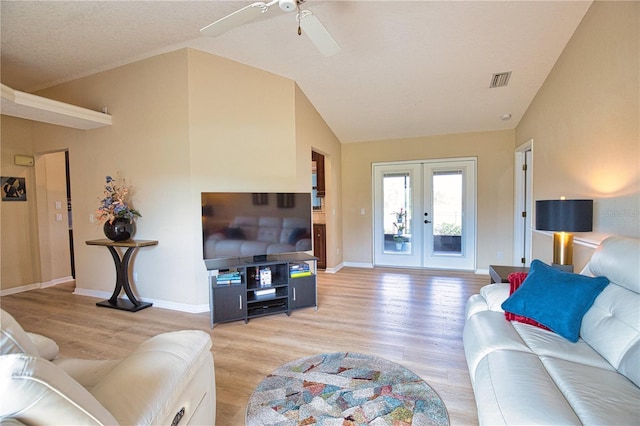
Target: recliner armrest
pixel 47 348
pixel 144 386
pixel 35 391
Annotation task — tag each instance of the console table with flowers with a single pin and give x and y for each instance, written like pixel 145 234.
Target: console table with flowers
pixel 122 273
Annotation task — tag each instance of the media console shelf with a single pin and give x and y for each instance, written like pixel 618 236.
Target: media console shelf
pixel 244 288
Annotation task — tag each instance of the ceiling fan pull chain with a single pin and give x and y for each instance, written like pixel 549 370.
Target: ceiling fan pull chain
pixel 299 18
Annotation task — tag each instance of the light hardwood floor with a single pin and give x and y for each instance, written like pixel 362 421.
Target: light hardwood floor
pixel 412 317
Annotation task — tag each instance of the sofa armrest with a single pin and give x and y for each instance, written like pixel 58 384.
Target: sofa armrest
pixel 495 294
pixel 147 386
pixel 35 391
pixel 47 348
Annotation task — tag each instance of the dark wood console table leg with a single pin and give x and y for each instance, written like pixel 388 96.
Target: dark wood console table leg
pixel 122 283
pixel 122 276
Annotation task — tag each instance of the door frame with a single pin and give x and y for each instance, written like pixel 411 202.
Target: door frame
pixel 523 202
pixel 419 230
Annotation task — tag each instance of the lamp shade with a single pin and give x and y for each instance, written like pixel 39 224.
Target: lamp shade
pixel 564 215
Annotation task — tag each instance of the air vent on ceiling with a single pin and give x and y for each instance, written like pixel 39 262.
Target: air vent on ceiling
pixel 500 79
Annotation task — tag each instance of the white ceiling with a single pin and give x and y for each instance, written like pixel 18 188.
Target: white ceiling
pixel 406 68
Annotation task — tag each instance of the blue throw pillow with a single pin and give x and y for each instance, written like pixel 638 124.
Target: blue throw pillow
pixel 556 299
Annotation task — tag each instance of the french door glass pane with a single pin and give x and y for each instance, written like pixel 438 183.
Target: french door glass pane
pixel 447 212
pixel 396 190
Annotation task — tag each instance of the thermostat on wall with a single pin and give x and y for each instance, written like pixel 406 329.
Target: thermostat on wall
pixel 23 160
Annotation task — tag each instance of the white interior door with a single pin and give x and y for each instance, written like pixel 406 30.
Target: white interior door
pixel 397 192
pixel 424 214
pixel 450 214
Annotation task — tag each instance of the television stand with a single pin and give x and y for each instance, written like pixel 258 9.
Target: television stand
pixel 251 287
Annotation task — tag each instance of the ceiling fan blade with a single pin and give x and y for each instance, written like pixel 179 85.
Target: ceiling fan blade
pixel 235 19
pixel 318 34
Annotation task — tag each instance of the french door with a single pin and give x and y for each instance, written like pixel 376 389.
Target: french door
pixel 425 214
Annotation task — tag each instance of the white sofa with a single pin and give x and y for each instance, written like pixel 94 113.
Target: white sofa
pixel 168 380
pixel 522 374
pixel 251 236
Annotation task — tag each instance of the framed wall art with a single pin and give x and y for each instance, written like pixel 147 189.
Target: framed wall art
pixel 13 189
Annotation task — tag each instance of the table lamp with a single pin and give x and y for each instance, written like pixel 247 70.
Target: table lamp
pixel 564 217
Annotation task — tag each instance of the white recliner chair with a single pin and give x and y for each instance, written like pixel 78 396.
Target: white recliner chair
pixel 168 380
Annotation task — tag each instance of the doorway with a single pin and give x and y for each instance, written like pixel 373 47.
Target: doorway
pixel 425 214
pixel 523 212
pixel 55 226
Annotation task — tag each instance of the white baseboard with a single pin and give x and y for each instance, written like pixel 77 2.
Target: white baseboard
pixel 482 271
pixel 20 289
pixel 34 286
pixel 334 269
pixel 359 265
pixel 56 282
pixel 182 307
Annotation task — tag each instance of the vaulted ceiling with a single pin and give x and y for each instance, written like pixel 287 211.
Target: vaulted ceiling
pixel 405 69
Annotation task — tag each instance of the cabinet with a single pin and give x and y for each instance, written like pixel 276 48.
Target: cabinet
pixel 229 303
pixel 302 292
pixel 245 288
pixel 320 244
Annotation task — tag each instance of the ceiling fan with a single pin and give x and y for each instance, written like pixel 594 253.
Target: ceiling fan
pixel 307 23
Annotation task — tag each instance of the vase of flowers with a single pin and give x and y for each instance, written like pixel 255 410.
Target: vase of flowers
pixel 116 213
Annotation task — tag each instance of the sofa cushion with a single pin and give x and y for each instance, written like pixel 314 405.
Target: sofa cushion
pixel 612 325
pixel 555 298
pixel 598 396
pixel 513 388
pixel 486 332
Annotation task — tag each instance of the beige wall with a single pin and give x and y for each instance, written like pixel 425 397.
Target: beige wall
pixel 183 122
pixel 585 124
pixel 19 260
pixel 494 152
pixel 148 146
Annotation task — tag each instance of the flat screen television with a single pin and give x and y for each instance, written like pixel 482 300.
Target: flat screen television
pixel 251 224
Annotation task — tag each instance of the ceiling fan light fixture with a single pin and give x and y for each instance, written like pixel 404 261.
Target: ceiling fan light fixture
pixel 288 5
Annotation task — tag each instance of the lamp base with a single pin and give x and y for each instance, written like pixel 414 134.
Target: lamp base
pixel 563 248
pixel 565 268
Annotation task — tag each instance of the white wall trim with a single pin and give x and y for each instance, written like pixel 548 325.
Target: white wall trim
pixel 182 307
pixel 57 281
pixel 34 286
pixel 482 272
pixel 591 240
pixel 333 270
pixel 359 265
pixel 20 289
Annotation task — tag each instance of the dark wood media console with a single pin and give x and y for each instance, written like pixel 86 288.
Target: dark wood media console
pixel 244 288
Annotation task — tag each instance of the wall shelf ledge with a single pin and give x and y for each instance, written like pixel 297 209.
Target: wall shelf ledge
pixel 37 108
